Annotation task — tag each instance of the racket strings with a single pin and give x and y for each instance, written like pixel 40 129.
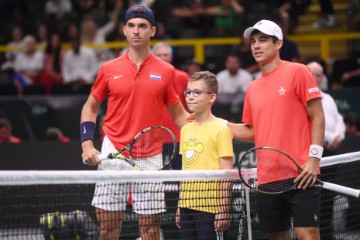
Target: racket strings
pixel 275 172
pixel 153 149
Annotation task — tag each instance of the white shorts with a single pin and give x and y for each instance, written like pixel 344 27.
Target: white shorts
pixel 147 197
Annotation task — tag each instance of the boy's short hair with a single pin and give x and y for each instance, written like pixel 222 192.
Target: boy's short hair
pixel 209 79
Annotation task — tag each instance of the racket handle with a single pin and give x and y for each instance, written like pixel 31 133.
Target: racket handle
pixel 103 157
pixel 341 189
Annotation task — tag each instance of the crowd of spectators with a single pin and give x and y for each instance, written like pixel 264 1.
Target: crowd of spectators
pixel 36 61
pixel 48 24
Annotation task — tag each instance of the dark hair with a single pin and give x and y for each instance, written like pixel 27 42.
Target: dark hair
pixel 275 39
pixel 55 52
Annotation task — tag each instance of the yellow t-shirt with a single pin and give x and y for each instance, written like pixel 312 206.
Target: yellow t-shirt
pixel 201 147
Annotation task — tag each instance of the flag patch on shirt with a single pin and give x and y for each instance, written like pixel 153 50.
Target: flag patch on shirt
pixel 314 89
pixel 155 77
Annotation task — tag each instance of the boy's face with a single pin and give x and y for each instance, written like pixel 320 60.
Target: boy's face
pixel 199 99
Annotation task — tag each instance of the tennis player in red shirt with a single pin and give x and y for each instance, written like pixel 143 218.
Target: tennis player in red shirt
pixel 137 85
pixel 283 109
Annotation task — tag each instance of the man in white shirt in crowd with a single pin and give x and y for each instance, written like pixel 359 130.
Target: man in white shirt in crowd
pixel 80 65
pixel 334 122
pixel 334 135
pixel 28 64
pixel 233 82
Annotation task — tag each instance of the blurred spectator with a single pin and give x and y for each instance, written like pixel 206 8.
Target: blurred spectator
pixel 58 8
pixel 58 14
pixel 71 32
pixel 193 66
pixel 41 35
pixel 324 83
pixel 15 44
pixel 164 52
pixel 328 18
pixel 352 123
pixel 334 127
pixel 79 66
pixel 191 19
pixel 289 50
pixel 54 56
pixel 233 82
pixel 94 32
pixel 246 58
pixel 55 134
pixel 334 136
pixel 29 64
pixel 6 132
pixel 229 17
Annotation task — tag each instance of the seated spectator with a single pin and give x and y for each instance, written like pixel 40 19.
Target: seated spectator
pixel 55 134
pixel 233 81
pixel 229 17
pixel 41 35
pixel 334 123
pixel 6 132
pixel 15 46
pixel 54 55
pixel 79 66
pixel 28 65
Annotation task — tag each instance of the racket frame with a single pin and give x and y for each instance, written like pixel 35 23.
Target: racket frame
pixel 326 185
pixel 119 154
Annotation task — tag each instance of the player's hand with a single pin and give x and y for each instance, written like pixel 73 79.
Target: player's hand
pixel 190 117
pixel 222 221
pixel 90 154
pixel 177 218
pixel 307 177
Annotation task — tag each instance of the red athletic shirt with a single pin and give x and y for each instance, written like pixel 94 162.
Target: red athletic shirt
pixel 181 79
pixel 275 105
pixel 136 98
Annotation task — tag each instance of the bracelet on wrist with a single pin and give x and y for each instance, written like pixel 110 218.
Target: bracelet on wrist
pixel 87 131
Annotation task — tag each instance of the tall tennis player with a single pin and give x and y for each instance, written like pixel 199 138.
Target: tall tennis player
pixel 283 110
pixel 138 86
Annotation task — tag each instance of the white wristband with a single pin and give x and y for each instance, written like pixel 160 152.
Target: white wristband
pixel 316 151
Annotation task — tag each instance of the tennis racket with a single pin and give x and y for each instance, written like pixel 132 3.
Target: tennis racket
pixel 276 164
pixel 153 148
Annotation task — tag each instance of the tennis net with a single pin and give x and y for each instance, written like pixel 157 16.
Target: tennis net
pixel 58 204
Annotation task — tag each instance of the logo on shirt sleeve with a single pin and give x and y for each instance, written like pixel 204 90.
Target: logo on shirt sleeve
pixel 314 89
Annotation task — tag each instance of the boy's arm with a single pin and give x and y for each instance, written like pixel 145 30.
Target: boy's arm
pixel 222 219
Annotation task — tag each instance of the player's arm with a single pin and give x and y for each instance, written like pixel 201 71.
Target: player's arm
pixel 314 108
pixel 222 219
pixel 178 114
pixel 242 132
pixel 87 129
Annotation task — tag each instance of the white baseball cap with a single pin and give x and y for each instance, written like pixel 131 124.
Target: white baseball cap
pixel 265 26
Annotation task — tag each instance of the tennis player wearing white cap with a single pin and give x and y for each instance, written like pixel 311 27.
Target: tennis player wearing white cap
pixel 283 109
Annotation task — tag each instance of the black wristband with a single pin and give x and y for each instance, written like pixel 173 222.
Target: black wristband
pixel 87 131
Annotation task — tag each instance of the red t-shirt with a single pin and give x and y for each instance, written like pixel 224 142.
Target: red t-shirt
pixel 136 98
pixel 275 105
pixel 181 79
